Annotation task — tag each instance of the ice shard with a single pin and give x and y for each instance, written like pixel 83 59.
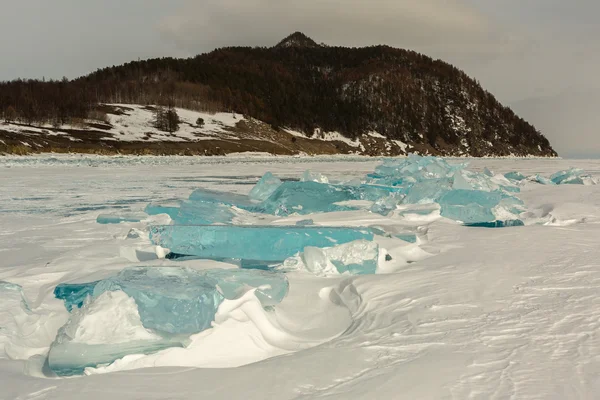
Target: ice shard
pixel 203 213
pixel 314 177
pixel 385 205
pixel 355 258
pixel 308 198
pixel 469 206
pixel 376 192
pixel 266 243
pixel 270 287
pixel 204 207
pixel 573 176
pixel 460 182
pixel 216 197
pixel 413 169
pixel 265 187
pixel 428 191
pixel 515 176
pixel 541 179
pixel 475 206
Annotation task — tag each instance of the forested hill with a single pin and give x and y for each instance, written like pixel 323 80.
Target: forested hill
pixel 300 85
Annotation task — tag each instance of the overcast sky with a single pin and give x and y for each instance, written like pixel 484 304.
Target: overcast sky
pixel 539 56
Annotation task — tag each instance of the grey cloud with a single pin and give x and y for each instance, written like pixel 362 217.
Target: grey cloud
pixel 55 38
pixel 570 121
pixel 440 25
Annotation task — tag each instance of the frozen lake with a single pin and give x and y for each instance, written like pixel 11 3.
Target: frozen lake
pixel 465 313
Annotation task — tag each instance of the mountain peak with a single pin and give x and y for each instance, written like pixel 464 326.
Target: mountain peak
pixel 297 39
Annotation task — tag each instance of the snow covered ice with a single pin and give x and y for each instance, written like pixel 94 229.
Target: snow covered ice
pixel 145 309
pixel 102 331
pixel 175 299
pixel 355 258
pixel 429 305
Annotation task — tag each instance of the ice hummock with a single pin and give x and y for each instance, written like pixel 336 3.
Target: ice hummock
pixel 411 181
pixel 177 299
pixel 465 196
pixel 573 176
pixel 359 257
pixel 265 243
pixel 145 309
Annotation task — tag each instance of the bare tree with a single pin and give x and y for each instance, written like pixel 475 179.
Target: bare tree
pixel 10 114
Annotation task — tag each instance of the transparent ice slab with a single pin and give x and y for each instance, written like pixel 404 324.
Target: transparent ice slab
pixel 203 213
pixel 267 243
pixel 226 198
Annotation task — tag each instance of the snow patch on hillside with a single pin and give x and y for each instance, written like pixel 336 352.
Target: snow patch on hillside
pixel 137 124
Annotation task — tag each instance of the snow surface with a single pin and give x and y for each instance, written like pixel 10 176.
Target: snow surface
pixel 136 124
pixel 112 318
pixel 463 313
